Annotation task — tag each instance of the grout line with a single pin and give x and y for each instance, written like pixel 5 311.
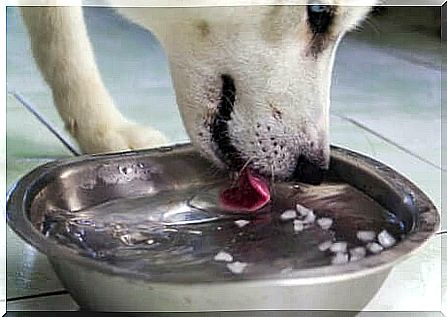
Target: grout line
pixel 416 60
pixel 13 299
pixel 389 141
pixel 42 120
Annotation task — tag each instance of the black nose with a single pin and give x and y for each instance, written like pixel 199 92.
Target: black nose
pixel 308 172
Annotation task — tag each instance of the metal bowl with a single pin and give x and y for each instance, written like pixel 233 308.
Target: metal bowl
pixel 80 183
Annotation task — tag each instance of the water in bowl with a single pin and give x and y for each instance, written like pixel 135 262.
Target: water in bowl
pixel 187 234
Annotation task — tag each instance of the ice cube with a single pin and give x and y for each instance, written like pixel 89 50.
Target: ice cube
pixel 298 225
pixel 325 245
pixel 357 253
pixel 310 218
pixel 366 236
pixel 288 215
pixel 340 258
pixel 339 247
pixel 241 223
pixel 237 267
pixel 386 239
pixel 374 247
pixel 223 256
pixel 303 211
pixel 325 223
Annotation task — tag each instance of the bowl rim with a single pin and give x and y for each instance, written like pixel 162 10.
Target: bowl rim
pixel 18 197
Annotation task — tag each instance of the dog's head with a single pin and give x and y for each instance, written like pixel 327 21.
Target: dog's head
pixel 253 83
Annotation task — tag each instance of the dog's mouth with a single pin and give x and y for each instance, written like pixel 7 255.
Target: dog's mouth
pixel 252 190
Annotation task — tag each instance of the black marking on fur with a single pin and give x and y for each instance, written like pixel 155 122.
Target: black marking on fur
pixel 319 19
pixel 317 45
pixel 219 127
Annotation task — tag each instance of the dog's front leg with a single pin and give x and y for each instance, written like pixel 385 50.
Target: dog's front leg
pixel 64 54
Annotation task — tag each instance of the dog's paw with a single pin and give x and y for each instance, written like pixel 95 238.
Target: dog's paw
pixel 124 136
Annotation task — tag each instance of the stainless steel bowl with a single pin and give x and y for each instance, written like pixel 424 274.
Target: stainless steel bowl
pixel 76 184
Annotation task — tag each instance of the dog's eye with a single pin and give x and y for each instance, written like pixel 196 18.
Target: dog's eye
pixel 319 17
pixel 319 9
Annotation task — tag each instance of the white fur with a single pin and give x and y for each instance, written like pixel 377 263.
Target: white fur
pixel 264 48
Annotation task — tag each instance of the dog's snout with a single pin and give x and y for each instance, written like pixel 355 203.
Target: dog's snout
pixel 309 172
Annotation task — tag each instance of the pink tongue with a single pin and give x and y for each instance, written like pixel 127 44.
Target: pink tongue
pixel 250 194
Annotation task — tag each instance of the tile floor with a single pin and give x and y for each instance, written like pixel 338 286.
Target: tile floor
pixel 388 77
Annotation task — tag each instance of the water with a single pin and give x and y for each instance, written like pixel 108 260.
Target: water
pixel 179 233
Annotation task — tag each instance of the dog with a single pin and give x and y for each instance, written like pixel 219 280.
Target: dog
pixel 252 82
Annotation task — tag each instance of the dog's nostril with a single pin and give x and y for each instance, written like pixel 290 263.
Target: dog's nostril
pixel 308 172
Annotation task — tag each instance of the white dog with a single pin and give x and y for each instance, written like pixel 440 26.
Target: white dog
pixel 252 82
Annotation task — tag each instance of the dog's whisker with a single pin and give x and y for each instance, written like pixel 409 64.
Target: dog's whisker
pixel 246 164
pixel 229 93
pixel 241 170
pixel 214 170
pixel 359 28
pixel 373 26
pixel 234 182
pixel 228 100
